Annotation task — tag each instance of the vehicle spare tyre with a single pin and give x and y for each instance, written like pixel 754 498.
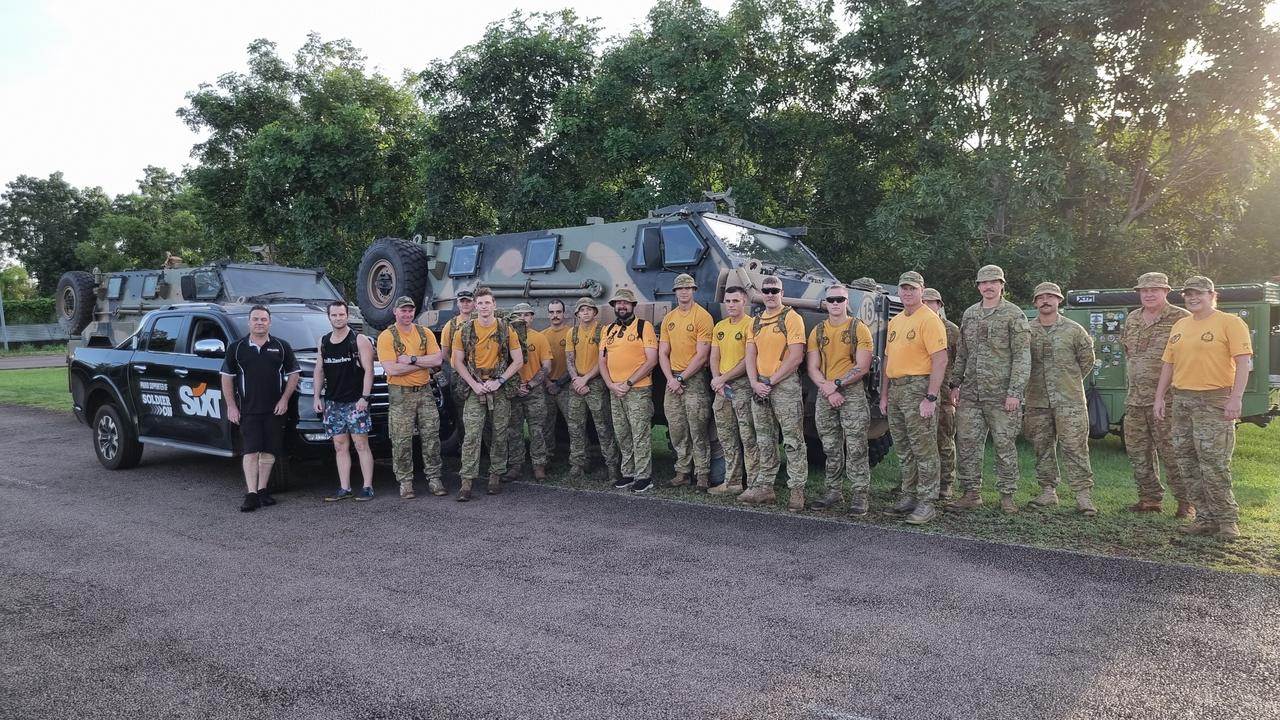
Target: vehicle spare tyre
pixel 75 300
pixel 391 267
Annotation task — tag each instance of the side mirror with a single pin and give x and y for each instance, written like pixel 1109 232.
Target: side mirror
pixel 188 285
pixel 210 347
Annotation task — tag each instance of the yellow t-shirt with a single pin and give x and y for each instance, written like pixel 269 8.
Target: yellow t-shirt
pixel 558 340
pixel 539 350
pixel 414 344
pixel 447 332
pixel 771 344
pixel 731 339
pixel 624 350
pixel 836 358
pixel 683 331
pixel 1203 352
pixel 586 354
pixel 912 340
pixel 486 357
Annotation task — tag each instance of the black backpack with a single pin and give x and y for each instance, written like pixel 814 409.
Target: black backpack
pixel 1099 418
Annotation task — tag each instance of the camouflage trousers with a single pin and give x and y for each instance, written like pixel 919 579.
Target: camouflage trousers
pixel 687 417
pixel 633 427
pixel 557 406
pixel 533 409
pixel 737 432
pixel 843 431
pixel 975 420
pixel 593 405
pixel 496 409
pixel 1064 429
pixel 1148 440
pixel 408 408
pixel 780 417
pixel 915 438
pixel 1203 443
pixel 946 443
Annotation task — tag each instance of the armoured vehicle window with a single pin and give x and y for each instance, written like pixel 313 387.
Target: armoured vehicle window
pixel 464 261
pixel 680 246
pixel 207 285
pixel 771 249
pixel 273 282
pixel 540 254
pixel 164 334
pixel 149 284
pixel 115 288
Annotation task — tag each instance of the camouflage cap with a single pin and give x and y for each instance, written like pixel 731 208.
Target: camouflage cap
pixel 1047 288
pixel 911 277
pixel 405 301
pixel 465 294
pixel 585 302
pixel 623 295
pixel 684 280
pixel 1152 280
pixel 934 295
pixel 1198 282
pixel 990 272
pixel 522 308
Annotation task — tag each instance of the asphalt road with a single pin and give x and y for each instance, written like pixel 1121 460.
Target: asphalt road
pixel 145 593
pixel 44 360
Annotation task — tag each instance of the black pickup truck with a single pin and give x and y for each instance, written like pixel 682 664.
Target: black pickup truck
pixel 161 385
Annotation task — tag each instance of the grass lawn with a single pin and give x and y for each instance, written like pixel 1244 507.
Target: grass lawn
pixel 1256 470
pixel 29 349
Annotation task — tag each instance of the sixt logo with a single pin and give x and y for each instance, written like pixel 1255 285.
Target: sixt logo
pixel 201 401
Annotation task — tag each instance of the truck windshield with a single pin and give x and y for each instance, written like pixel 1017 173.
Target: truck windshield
pixel 300 330
pixel 746 244
pixel 274 282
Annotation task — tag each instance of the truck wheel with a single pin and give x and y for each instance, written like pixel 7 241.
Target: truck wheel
pixel 114 441
pixel 391 267
pixel 75 300
pixel 878 449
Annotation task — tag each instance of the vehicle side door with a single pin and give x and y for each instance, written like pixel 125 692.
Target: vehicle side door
pixel 200 407
pixel 153 375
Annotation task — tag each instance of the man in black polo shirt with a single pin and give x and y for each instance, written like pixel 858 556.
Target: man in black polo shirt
pixel 259 374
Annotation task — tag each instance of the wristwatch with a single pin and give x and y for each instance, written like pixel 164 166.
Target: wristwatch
pixel 365 398
pixel 413 359
pixel 630 382
pixel 838 382
pixel 679 378
pixel 766 381
pixel 931 397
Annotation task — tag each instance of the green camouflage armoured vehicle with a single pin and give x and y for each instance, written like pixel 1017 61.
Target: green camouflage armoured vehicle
pixel 1102 313
pixel 645 256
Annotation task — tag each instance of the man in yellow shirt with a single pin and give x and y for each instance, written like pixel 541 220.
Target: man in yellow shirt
pixel 775 349
pixel 530 400
pixel 683 352
pixel 408 352
pixel 466 307
pixel 486 355
pixel 589 400
pixel 915 364
pixel 840 349
pixel 557 382
pixel 1207 362
pixel 732 391
pixel 627 357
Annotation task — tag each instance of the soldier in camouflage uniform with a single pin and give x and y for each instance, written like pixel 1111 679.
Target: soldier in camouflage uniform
pixel 1147 439
pixel 1057 415
pixel 946 408
pixel 732 407
pixel 557 383
pixel 407 352
pixel 530 400
pixel 988 382
pixel 1207 363
pixel 915 368
pixel 466 307
pixel 775 349
pixel 590 398
pixel 486 355
pixel 683 351
pixel 627 357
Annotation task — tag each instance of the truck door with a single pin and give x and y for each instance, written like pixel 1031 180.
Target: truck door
pixel 152 377
pixel 200 409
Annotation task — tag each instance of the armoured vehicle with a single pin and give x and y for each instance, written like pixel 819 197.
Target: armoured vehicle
pixel 1102 313
pixel 593 260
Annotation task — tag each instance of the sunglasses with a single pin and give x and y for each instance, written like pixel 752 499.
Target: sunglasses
pixel 836 300
pixel 771 290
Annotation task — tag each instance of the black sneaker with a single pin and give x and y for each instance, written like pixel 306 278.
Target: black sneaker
pixel 365 495
pixel 641 485
pixel 250 503
pixel 342 494
pixel 623 483
pixel 265 499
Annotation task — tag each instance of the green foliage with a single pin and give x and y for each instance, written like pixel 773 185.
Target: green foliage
pixel 42 221
pixel 142 229
pixel 30 311
pixel 15 283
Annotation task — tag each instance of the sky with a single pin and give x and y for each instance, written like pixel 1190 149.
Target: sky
pixel 91 88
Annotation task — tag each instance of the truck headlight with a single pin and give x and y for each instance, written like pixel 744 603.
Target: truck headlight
pixel 306 386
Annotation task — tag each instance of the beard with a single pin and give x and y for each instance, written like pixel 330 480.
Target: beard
pixel 624 316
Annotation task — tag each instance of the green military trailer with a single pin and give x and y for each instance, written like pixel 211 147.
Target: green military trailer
pixel 1102 313
pixel 644 256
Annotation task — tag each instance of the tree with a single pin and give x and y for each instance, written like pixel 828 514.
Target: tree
pixel 42 221
pixel 141 229
pixel 15 283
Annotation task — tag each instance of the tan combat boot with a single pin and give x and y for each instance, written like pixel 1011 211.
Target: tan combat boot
pixel 437 488
pixel 1048 497
pixel 1199 527
pixel 1145 506
pixel 704 483
pixel 680 480
pixel 1186 511
pixel 495 483
pixel 406 491
pixel 760 495
pixel 513 474
pixel 796 502
pixel 725 488
pixel 540 472
pixel 829 499
pixel 1006 504
pixel 1084 503
pixel 464 492
pixel 1228 532
pixel 858 504
pixel 971 500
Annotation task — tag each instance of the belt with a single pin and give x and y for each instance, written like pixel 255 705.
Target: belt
pixel 410 388
pixel 906 379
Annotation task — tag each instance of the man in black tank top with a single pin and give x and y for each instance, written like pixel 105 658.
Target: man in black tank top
pixel 343 383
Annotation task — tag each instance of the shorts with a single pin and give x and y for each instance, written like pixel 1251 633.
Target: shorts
pixel 344 419
pixel 262 433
